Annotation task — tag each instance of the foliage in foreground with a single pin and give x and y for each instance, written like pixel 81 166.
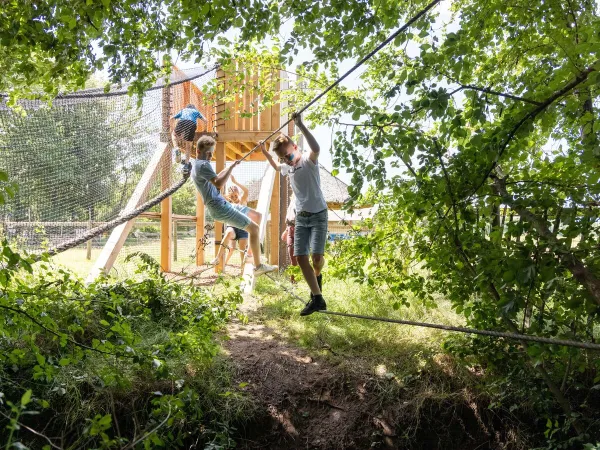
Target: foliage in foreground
pixel 111 365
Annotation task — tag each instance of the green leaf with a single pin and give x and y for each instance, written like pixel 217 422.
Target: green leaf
pixel 26 398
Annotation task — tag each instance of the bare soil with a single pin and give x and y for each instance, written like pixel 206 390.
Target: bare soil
pixel 307 402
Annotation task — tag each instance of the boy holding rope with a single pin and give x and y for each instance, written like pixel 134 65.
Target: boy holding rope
pixel 310 232
pixel 240 216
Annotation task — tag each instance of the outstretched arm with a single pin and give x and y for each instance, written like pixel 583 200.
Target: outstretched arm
pixel 244 189
pixel 177 116
pixel 310 139
pixel 220 180
pixel 274 164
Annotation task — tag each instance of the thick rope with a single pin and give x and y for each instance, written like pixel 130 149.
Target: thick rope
pixel 125 217
pixel 502 334
pixel 390 38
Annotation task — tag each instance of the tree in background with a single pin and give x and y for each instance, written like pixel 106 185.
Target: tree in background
pixel 80 159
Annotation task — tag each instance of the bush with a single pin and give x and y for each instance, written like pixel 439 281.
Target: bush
pixel 112 364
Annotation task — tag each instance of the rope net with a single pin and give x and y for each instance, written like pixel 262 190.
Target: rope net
pixel 77 162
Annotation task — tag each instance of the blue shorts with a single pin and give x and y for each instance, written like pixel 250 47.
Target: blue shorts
pixel 234 215
pixel 310 234
pixel 239 234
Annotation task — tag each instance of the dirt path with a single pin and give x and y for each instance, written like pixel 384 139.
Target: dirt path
pixel 305 403
pixel 310 403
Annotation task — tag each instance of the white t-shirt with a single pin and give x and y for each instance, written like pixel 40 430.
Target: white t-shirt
pixel 306 184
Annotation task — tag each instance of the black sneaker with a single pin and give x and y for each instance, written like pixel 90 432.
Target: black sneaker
pixel 320 282
pixel 317 303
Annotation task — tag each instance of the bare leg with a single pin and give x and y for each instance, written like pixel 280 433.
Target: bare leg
pixel 229 235
pixel 188 149
pixel 230 253
pixel 177 142
pixel 253 231
pixel 318 262
pixel 254 215
pixel 244 247
pixel 309 274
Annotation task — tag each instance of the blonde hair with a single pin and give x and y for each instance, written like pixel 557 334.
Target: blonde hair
pixel 281 143
pixel 230 191
pixel 204 143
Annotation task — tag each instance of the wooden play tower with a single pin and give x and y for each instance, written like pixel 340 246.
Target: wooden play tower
pixel 236 134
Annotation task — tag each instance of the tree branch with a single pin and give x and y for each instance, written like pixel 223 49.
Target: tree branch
pixel 580 78
pixel 580 272
pixel 43 327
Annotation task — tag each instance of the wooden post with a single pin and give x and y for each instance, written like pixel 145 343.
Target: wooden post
pixel 186 93
pixel 199 230
pixel 220 156
pixel 283 207
pixel 275 213
pixel 88 255
pixel 165 135
pixel 166 212
pixel 174 240
pixel 117 238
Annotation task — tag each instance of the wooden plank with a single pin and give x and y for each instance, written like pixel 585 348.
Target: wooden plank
pixel 150 215
pixel 166 212
pixel 248 146
pixel 275 213
pixel 165 135
pixel 235 147
pixel 199 230
pixel 277 109
pixel 230 155
pixel 256 156
pixel 220 156
pixel 264 200
pixel 174 240
pixel 284 201
pixel 242 136
pixel 255 93
pixel 247 93
pixel 266 113
pixel 115 242
pixel 186 93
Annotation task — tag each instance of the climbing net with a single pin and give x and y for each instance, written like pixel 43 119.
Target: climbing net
pixel 76 162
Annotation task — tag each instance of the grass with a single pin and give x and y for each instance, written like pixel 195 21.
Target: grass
pixel 406 367
pixel 75 259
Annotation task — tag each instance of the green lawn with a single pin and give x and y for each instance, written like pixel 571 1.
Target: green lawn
pixel 76 261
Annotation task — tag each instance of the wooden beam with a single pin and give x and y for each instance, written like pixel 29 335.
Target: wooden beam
pixel 230 155
pixel 275 213
pixel 150 215
pixel 247 146
pixel 220 156
pixel 199 230
pixel 277 109
pixel 284 201
pixel 254 99
pixel 245 124
pixel 264 200
pixel 166 212
pixel 236 147
pixel 256 156
pixel 115 242
pixel 243 136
